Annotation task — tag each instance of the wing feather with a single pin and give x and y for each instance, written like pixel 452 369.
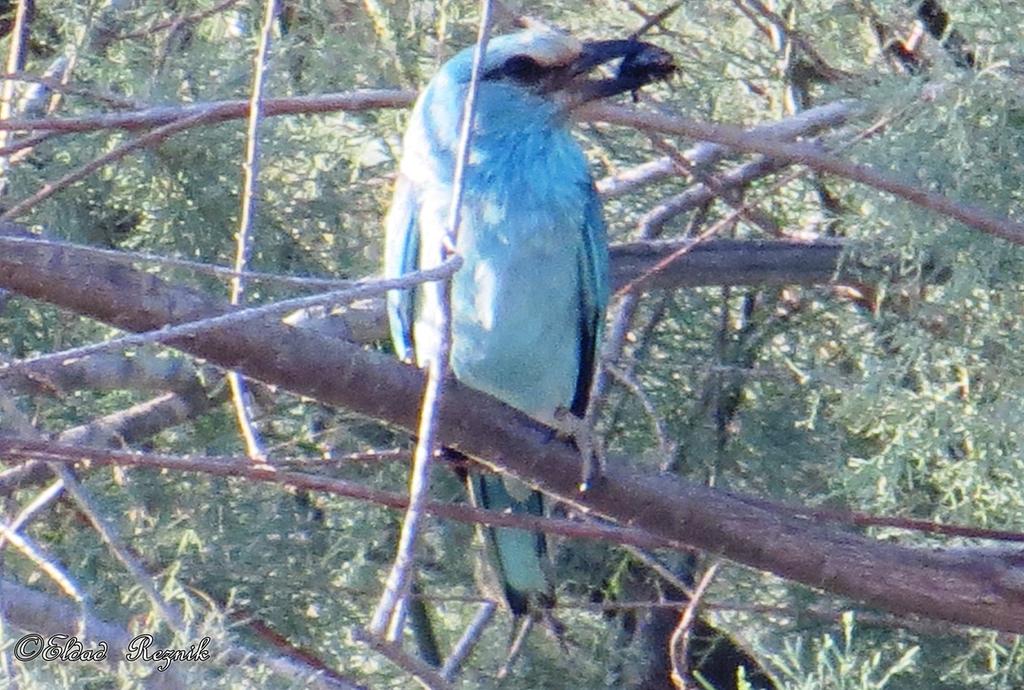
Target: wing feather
pixel 593 296
pixel 401 256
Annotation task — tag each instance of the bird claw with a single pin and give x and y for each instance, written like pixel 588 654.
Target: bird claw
pixel 580 430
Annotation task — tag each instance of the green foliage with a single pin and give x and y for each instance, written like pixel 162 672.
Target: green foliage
pixel 912 406
pixel 838 664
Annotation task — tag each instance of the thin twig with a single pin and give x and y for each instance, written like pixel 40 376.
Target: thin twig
pixel 224 272
pixel 696 195
pixel 706 154
pixel 735 137
pixel 16 53
pixel 109 534
pixel 26 547
pixel 612 348
pixel 25 144
pixel 464 647
pixel 680 640
pixel 651 20
pixel 751 214
pixel 396 623
pixel 794 36
pixel 21 449
pixel 15 419
pixel 80 173
pixel 219 111
pixel 425 674
pixel 303 660
pixel 813 157
pixel 243 244
pixel 437 367
pixel 516 648
pixel 659 569
pixel 665 446
pixel 708 233
pixel 364 457
pixel 740 209
pixel 90 91
pixel 178 21
pixel 35 507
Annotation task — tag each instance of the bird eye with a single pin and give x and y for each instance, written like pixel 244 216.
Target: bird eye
pixel 520 68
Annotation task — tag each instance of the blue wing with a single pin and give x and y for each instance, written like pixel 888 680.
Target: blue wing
pixel 593 296
pixel 401 256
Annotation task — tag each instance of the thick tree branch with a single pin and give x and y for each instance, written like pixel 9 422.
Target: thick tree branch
pixel 977 588
pixel 729 262
pixel 106 372
pixel 710 263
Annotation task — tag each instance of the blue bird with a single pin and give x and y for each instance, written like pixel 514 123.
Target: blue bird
pixel 529 300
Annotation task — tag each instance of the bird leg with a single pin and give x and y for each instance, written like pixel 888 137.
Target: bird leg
pixel 580 430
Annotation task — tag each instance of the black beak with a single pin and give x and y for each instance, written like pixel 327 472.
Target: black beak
pixel 642 64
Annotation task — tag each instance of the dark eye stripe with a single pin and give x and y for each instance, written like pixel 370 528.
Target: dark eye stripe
pixel 520 68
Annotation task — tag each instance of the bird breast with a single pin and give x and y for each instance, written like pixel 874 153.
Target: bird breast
pixel 516 299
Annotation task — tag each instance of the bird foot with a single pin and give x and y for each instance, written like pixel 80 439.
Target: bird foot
pixel 580 431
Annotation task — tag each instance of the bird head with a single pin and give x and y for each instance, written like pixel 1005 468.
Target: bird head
pixel 555 64
pixel 554 70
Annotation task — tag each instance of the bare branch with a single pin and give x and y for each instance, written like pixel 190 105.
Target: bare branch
pixel 178 21
pixel 695 196
pixel 397 583
pixel 192 328
pixel 35 506
pixel 813 157
pixel 16 54
pixel 201 267
pixel 666 447
pixel 47 615
pixel 464 647
pixel 243 244
pixel 53 84
pixel 680 640
pixel 142 372
pixel 110 536
pixel 716 262
pixel 703 155
pixel 20 449
pixel 27 548
pixel 520 633
pixel 148 139
pixel 127 427
pixel 425 675
pixel 965 587
pixel 219 111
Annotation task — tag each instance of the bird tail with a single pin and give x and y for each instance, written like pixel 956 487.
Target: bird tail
pixel 519 558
